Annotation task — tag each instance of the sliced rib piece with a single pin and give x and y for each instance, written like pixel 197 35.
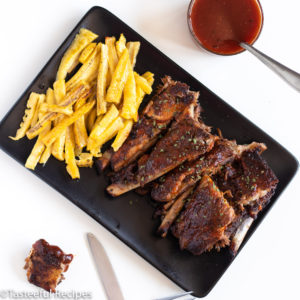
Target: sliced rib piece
pixel 185 140
pixel 126 179
pixel 249 179
pixel 171 99
pixel 203 222
pixel 172 213
pixel 189 173
pixel 45 265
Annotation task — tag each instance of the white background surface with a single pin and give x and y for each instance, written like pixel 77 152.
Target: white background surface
pixel 31 31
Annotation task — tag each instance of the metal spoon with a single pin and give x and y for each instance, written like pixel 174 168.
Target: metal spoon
pixel 288 75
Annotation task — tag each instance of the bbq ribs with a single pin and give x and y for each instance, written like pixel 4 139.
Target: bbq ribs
pixel 187 139
pixel 245 185
pixel 203 222
pixel 210 189
pixel 45 265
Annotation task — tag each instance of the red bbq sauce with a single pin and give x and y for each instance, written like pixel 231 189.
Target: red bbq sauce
pixel 219 25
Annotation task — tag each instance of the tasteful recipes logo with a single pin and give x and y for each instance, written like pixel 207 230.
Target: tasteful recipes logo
pixel 41 294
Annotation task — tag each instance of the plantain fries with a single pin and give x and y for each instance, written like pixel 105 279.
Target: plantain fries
pixel 112 54
pixel 41 125
pixel 81 113
pixel 71 56
pixel 140 93
pixel 118 80
pixel 59 145
pixel 129 98
pixel 88 71
pixel 46 154
pixel 37 150
pixel 70 155
pixel 149 77
pixel 66 110
pixel 101 125
pixel 81 91
pixel 50 100
pixel 80 133
pixel 28 116
pixel 59 87
pixel 121 45
pixel 122 135
pixel 101 80
pixel 133 50
pixel 110 132
pixel 143 83
pixel 85 160
pixel 67 121
pixel 87 51
pixel 37 113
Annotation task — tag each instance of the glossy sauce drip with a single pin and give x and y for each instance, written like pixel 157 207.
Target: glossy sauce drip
pixel 219 25
pixel 52 254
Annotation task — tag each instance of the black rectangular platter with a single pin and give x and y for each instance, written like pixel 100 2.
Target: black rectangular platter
pixel 129 217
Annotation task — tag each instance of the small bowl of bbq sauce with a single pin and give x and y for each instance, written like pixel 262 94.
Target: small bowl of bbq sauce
pixel 219 26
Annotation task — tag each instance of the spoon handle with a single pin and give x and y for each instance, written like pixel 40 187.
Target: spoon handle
pixel 290 76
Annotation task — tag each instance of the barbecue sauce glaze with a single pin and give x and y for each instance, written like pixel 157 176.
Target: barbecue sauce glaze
pixel 219 25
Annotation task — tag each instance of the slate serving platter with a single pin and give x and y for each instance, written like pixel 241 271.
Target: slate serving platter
pixel 129 217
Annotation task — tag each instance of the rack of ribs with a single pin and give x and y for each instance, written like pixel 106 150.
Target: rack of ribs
pixel 186 139
pixel 210 189
pixel 174 186
pixel 170 100
pixel 221 209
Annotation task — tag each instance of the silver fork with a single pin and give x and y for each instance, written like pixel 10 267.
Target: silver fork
pixel 177 296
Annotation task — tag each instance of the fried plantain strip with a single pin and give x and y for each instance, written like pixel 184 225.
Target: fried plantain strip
pixel 71 56
pixel 101 125
pixel 140 93
pixel 112 54
pixel 110 132
pixel 88 71
pixel 66 110
pixel 59 87
pixel 86 52
pixel 50 99
pixel 38 114
pixel 61 126
pixel 122 135
pixel 80 133
pixel 72 168
pixel 85 160
pixel 81 91
pixel 121 45
pixel 118 79
pixel 59 145
pixel 37 150
pixel 101 80
pixel 143 83
pixel 133 50
pixel 28 116
pixel 129 98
